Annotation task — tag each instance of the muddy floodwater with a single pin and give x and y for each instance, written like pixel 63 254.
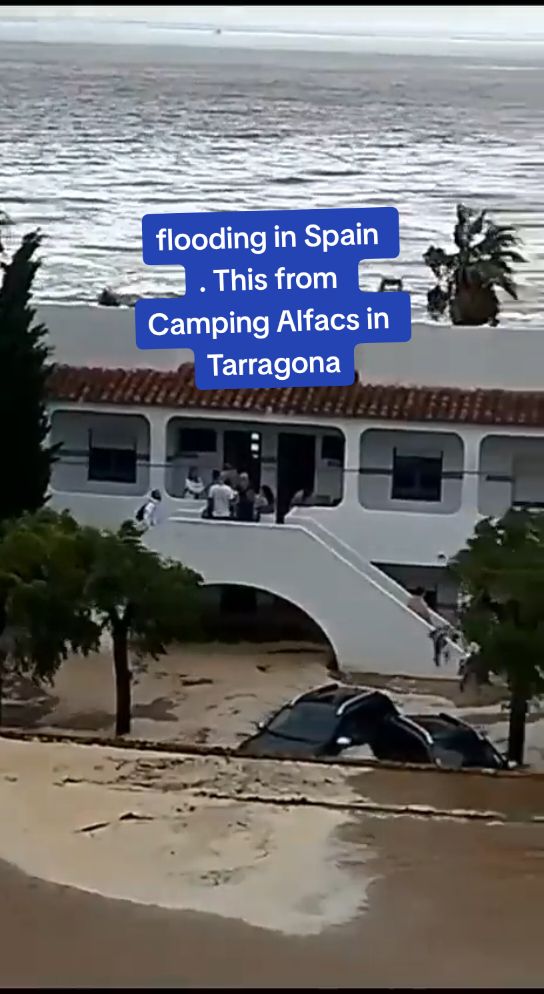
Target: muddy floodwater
pixel 121 868
pixel 127 868
pixel 216 694
pixel 450 907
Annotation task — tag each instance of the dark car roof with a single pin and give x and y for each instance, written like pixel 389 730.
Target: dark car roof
pixel 336 696
pixel 457 731
pixel 442 722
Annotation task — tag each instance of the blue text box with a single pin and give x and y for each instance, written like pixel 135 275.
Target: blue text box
pixel 272 297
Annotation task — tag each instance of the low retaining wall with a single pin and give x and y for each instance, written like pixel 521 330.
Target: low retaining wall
pixel 231 752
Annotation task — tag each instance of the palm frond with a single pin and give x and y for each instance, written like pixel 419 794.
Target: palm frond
pixel 513 256
pixel 509 286
pixel 477 225
pixel 497 239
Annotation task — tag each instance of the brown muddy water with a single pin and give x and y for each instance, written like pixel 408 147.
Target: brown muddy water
pixel 215 694
pixel 452 906
pixel 126 869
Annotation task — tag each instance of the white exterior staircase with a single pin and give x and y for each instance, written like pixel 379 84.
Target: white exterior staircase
pixel 362 611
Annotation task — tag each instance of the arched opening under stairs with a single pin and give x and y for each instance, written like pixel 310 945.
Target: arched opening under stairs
pixel 242 613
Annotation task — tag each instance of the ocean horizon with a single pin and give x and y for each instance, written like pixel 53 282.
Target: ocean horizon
pixel 94 136
pixel 133 31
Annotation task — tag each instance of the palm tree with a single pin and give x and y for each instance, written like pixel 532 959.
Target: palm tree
pixel 466 280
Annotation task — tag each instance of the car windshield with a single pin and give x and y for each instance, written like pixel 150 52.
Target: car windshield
pixel 306 722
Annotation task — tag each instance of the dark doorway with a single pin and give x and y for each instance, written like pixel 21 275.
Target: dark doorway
pixel 296 468
pixel 242 451
pixel 238 600
pixel 431 598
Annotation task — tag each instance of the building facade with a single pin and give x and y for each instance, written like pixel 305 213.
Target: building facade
pixel 433 435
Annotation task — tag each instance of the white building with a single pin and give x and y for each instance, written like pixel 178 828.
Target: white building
pixel 436 433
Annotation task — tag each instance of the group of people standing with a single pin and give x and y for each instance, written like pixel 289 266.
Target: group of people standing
pixel 230 495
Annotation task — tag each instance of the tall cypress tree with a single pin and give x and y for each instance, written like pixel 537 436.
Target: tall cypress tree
pixel 26 459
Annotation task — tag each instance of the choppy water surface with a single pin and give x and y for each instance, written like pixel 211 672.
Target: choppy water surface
pixel 93 137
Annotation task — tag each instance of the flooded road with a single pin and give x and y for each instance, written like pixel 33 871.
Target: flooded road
pixel 508 798
pixel 215 694
pixel 195 871
pixel 453 906
pixel 127 868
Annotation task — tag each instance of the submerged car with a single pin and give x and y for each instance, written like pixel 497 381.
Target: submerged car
pixel 334 720
pixel 321 722
pixel 441 740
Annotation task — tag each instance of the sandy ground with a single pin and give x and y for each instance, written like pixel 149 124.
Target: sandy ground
pixel 216 695
pixel 195 871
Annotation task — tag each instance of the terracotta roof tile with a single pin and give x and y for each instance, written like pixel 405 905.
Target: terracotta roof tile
pixel 154 388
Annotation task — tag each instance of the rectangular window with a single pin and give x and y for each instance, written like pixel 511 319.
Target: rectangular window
pixel 417 478
pixel 111 465
pixel 192 440
pixel 528 483
pixel 332 449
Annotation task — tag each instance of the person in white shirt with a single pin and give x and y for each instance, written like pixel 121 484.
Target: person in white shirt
pixel 194 485
pixel 221 497
pixel 148 514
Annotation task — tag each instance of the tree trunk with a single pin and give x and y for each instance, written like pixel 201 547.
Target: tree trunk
pixel 474 305
pixel 516 730
pixel 123 702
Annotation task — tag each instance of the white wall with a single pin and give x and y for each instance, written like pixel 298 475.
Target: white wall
pixel 377 451
pixel 369 630
pixel 98 510
pixel 72 428
pixel 508 357
pixel 89 335
pixel 378 535
pixel 394 536
pixel 419 537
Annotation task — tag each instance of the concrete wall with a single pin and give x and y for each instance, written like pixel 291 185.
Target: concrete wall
pixel 393 536
pixel 511 357
pixel 89 335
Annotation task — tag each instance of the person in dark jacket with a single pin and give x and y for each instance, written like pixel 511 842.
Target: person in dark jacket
pixel 244 509
pixel 264 502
